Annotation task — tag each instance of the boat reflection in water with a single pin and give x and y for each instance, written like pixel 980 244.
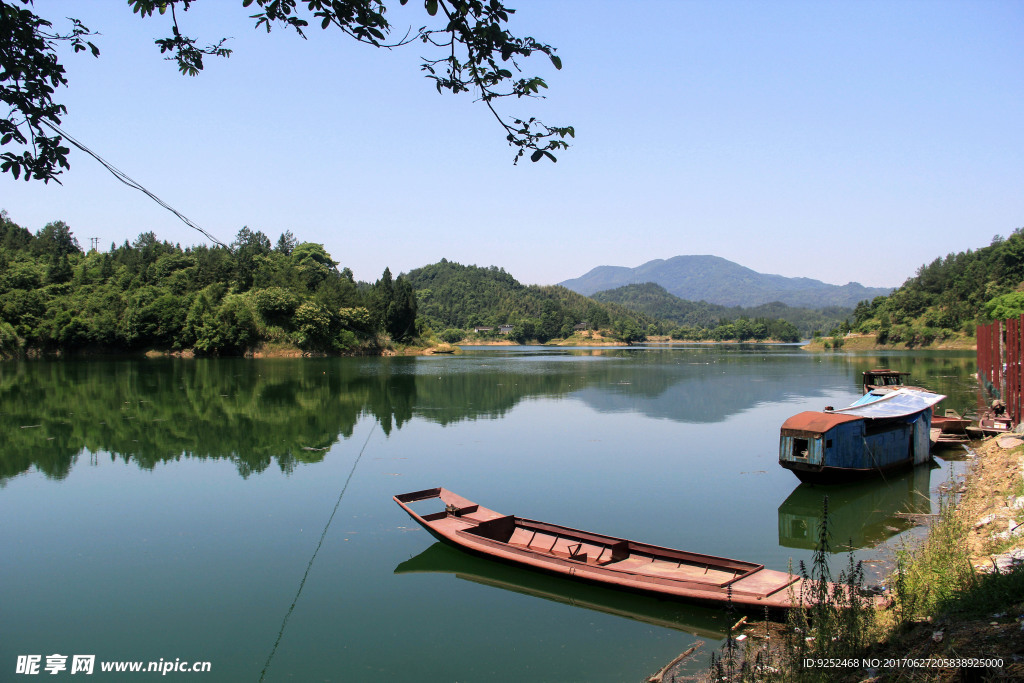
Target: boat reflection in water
pixel 861 515
pixel 704 622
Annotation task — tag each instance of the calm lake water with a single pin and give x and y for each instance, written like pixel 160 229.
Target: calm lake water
pixel 239 511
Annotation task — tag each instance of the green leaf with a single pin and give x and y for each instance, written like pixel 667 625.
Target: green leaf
pixel 557 61
pixel 431 7
pixel 536 156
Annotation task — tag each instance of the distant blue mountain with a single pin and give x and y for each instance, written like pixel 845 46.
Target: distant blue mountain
pixel 718 281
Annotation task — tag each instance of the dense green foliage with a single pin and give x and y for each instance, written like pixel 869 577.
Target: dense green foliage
pixel 453 299
pixel 215 300
pixel 701 320
pixel 950 295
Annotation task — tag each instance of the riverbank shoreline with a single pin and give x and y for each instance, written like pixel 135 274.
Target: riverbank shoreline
pixel 858 342
pixel 383 349
pixel 959 641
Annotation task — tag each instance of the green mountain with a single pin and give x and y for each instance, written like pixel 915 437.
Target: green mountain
pixel 718 281
pixel 457 297
pixel 655 301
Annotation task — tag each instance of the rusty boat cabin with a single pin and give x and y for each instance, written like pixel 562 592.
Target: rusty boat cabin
pixel 600 559
pixel 885 430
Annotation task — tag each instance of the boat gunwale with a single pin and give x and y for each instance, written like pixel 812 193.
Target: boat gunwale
pixel 739 568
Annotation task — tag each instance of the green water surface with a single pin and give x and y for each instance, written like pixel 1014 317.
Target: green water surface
pixel 239 511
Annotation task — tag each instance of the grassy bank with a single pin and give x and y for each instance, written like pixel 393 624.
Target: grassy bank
pixel 869 342
pixel 954 607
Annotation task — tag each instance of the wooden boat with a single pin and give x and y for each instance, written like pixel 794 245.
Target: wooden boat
pixel 950 423
pixel 596 558
pixel 881 378
pixel 949 430
pixel 941 439
pixel 885 430
pixel 991 423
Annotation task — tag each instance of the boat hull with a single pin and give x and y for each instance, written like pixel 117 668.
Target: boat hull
pixel 877 435
pixel 812 474
pixel 600 559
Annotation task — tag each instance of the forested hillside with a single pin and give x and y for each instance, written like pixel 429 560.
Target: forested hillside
pixel 703 318
pixel 215 300
pixel 454 298
pixel 950 295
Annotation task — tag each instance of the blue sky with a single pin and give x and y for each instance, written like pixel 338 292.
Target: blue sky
pixel 842 141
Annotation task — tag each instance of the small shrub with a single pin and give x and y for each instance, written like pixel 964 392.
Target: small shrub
pixel 452 335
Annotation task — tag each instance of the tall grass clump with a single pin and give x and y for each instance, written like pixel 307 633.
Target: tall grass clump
pixel 833 620
pixel 937 578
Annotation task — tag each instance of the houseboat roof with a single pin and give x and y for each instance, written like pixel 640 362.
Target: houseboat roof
pixel 816 422
pixel 901 402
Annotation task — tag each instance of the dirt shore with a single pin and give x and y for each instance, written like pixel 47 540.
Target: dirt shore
pixel 989 508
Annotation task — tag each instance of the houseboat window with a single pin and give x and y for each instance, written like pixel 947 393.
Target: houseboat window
pixel 799 448
pixel 828 443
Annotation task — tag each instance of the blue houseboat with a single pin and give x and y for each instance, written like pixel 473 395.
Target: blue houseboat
pixel 885 430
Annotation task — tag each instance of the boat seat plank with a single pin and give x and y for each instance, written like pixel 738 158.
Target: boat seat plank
pixel 645 564
pixel 522 537
pixel 542 542
pixel 764 583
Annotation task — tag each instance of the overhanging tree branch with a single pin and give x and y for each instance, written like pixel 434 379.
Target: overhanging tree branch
pixel 29 75
pixel 481 55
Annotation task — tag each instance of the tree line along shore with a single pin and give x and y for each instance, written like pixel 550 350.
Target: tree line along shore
pixel 257 297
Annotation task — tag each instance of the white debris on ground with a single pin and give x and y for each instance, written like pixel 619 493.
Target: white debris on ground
pixel 1000 521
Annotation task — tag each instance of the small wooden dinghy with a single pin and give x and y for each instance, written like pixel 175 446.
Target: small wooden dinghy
pixel 596 558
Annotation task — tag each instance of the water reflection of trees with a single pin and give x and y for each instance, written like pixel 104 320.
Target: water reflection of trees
pixel 255 414
pixel 288 411
pixel 154 411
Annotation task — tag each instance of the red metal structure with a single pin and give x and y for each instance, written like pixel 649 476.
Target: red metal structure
pixel 1001 363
